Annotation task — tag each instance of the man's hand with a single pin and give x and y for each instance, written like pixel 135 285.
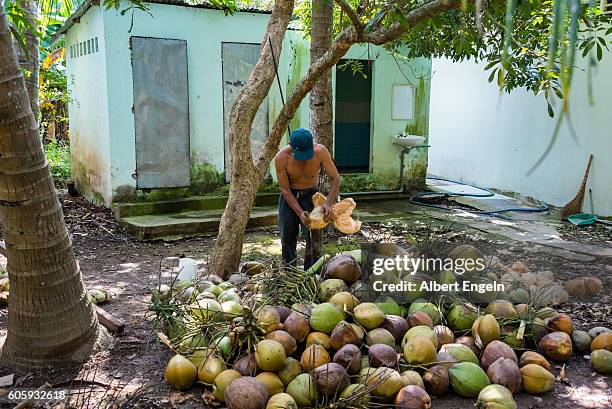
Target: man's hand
pixel 327 211
pixel 304 217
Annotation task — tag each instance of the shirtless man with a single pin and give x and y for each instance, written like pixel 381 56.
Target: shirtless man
pixel 297 168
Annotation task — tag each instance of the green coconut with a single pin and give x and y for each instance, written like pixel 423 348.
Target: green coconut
pixel 461 317
pixel 519 296
pixel 386 382
pixel 495 397
pixel 281 401
pixel 485 330
pixel 292 369
pixel 388 305
pixel 380 336
pixel 303 390
pixel 345 301
pixel 419 350
pixel 329 287
pixel 324 317
pixel 369 315
pixel 231 309
pixel 270 355
pixel 601 361
pixel 460 352
pixel 420 331
pixel 207 311
pixel 546 312
pixel 431 309
pixel 228 295
pixel 468 379
pixel 222 380
pixel 412 378
pixel 581 341
pixel 353 389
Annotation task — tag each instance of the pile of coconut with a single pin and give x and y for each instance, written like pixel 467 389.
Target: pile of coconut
pixel 340 352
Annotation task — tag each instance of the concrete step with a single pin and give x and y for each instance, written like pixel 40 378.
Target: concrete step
pixel 181 204
pixel 189 222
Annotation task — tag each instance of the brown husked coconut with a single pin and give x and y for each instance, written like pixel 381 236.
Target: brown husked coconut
pixel 344 267
pixel 468 341
pixel 382 355
pixel 519 267
pixel 297 326
pixel 349 356
pixel 331 379
pixel 505 372
pixel 286 340
pixel 602 341
pixel 532 357
pixel 313 357
pixel 556 345
pixel 495 350
pixel 412 397
pixel 561 322
pixel 436 380
pixel 396 325
pixel 283 312
pixel 247 365
pixel 318 338
pixel 343 334
pixel 419 318
pixel 246 393
pixel 593 285
pixel 445 335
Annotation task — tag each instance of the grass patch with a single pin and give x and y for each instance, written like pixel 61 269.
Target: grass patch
pixel 58 156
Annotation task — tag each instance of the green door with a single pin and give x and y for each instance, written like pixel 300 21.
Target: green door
pixel 352 129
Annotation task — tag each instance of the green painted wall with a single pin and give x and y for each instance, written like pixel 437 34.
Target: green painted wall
pixel 205 30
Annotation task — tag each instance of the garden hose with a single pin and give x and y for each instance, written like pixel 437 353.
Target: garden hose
pixel 415 199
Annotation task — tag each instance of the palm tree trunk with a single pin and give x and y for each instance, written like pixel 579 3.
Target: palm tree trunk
pixel 321 106
pixel 50 318
pixel 29 61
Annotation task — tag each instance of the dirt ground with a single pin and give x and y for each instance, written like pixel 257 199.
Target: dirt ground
pixel 134 367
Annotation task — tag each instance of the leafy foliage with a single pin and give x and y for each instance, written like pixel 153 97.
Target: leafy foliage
pixel 58 156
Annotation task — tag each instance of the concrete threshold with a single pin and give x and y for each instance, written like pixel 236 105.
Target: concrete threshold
pixel 190 223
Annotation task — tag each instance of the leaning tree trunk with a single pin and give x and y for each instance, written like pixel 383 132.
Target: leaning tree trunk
pixel 226 254
pixel 245 177
pixel 321 107
pixel 29 58
pixel 50 317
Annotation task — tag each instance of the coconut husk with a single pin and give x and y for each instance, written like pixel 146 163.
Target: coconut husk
pixel 341 215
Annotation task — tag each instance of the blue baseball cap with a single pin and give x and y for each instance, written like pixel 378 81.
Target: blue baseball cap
pixel 302 147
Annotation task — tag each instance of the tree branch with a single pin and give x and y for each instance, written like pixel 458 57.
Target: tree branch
pixel 383 36
pixel 351 14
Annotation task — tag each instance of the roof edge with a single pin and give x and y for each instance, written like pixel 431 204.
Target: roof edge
pixel 75 17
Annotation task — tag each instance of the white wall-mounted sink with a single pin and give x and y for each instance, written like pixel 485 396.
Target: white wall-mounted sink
pixel 407 140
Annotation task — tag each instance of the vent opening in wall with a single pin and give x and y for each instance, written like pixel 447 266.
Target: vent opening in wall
pixel 87 47
pixel 606 6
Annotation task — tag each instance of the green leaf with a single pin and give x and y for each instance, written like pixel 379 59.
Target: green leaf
pixel 492 75
pixel 599 52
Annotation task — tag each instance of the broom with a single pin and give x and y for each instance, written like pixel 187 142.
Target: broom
pixel 575 205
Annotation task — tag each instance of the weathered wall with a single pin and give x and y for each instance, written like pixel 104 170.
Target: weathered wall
pixel 88 107
pixel 480 137
pixel 387 71
pixel 205 30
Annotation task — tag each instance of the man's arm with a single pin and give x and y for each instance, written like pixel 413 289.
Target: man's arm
pixel 280 164
pixel 334 178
